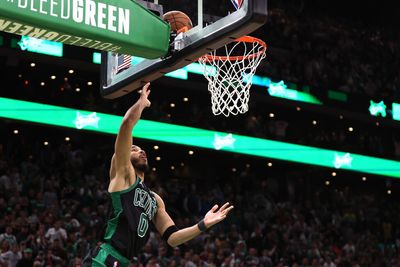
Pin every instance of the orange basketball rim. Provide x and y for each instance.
(244, 39)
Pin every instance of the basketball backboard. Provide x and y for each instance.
(215, 24)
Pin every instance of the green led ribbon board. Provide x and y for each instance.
(183, 135)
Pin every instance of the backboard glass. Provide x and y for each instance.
(216, 23)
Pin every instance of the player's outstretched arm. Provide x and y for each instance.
(175, 237)
(123, 142)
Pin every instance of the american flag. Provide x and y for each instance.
(124, 62)
(237, 3)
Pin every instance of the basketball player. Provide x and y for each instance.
(134, 206)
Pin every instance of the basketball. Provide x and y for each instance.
(178, 20)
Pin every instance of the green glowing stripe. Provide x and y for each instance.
(100, 122)
(336, 95)
(178, 74)
(306, 97)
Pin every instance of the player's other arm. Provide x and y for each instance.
(175, 237)
(123, 142)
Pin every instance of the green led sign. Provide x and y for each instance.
(41, 46)
(280, 89)
(274, 89)
(376, 109)
(96, 58)
(182, 135)
(396, 111)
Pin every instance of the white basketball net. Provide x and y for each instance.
(230, 77)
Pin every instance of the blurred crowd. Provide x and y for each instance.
(327, 52)
(53, 204)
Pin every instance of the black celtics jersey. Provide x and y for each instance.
(128, 226)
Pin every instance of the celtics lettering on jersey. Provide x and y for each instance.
(144, 200)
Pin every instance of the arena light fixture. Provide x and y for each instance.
(195, 137)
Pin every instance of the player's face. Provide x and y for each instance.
(139, 159)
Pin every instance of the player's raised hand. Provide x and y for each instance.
(216, 215)
(144, 95)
